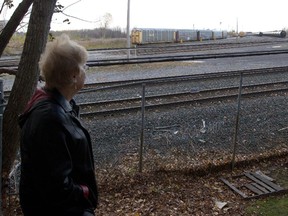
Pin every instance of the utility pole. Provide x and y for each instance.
(128, 30)
(237, 35)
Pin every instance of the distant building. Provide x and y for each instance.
(2, 24)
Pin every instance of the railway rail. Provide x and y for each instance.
(171, 80)
(165, 58)
(128, 82)
(181, 57)
(112, 107)
(190, 47)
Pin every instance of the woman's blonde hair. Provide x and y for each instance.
(61, 61)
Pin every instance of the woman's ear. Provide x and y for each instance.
(74, 79)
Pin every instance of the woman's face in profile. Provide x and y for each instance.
(81, 77)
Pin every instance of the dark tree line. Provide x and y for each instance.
(93, 33)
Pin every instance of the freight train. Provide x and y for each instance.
(140, 36)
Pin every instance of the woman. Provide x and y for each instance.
(57, 166)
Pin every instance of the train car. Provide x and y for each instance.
(141, 36)
(281, 34)
(219, 35)
(242, 34)
(186, 35)
(204, 35)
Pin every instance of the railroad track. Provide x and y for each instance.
(181, 57)
(112, 107)
(98, 87)
(90, 87)
(194, 47)
(105, 57)
(182, 48)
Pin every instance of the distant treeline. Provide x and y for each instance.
(92, 33)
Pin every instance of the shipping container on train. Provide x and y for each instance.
(205, 35)
(150, 35)
(281, 34)
(186, 35)
(220, 35)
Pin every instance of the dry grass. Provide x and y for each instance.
(16, 43)
(102, 43)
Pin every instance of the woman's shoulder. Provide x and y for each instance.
(49, 110)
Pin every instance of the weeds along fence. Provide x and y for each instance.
(188, 137)
(196, 135)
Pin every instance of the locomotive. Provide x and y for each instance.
(281, 34)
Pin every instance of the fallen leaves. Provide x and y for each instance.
(169, 192)
(173, 192)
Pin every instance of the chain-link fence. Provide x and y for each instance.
(195, 135)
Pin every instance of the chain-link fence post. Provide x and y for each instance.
(237, 121)
(142, 128)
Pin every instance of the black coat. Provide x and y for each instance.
(56, 158)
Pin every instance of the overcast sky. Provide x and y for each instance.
(251, 15)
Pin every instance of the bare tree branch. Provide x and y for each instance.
(8, 3)
(89, 21)
(8, 71)
(71, 5)
(13, 23)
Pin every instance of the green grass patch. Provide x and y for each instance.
(271, 206)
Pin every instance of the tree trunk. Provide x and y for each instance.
(13, 23)
(26, 78)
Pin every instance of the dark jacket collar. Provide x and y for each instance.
(41, 95)
(60, 99)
